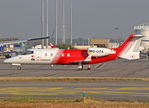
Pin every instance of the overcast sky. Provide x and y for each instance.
(91, 18)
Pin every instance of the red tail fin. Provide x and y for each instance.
(124, 45)
(129, 49)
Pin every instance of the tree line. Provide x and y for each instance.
(9, 39)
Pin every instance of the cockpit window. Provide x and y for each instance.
(28, 52)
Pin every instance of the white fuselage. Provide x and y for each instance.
(58, 56)
(39, 56)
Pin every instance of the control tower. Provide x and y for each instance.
(144, 30)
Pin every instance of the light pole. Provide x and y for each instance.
(71, 22)
(47, 40)
(42, 22)
(63, 21)
(56, 24)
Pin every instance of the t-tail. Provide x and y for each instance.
(130, 48)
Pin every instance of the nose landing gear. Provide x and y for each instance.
(19, 68)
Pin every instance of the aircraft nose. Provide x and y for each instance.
(8, 60)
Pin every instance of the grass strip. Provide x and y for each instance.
(63, 100)
(72, 79)
(30, 102)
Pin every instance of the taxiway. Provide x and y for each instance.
(110, 90)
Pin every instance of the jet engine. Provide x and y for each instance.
(99, 52)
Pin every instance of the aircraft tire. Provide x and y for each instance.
(19, 68)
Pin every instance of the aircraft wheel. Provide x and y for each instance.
(80, 67)
(89, 67)
(19, 68)
(52, 65)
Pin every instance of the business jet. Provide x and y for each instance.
(52, 56)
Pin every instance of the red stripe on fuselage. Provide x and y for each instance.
(68, 56)
(74, 56)
(103, 59)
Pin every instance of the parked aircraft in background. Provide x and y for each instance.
(21, 41)
(128, 50)
(4, 44)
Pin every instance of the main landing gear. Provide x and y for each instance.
(89, 67)
(80, 67)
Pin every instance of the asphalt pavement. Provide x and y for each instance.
(109, 90)
(118, 68)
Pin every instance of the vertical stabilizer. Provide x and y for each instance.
(130, 48)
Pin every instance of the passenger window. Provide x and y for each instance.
(68, 55)
(62, 55)
(57, 55)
